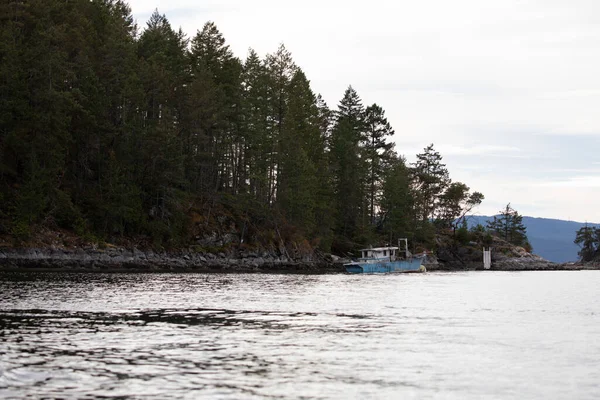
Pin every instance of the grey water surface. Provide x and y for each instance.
(472, 335)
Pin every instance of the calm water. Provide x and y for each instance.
(527, 335)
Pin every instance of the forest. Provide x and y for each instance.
(116, 132)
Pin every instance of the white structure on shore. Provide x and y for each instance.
(487, 258)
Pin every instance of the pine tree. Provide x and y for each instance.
(164, 78)
(325, 207)
(588, 239)
(509, 226)
(397, 201)
(456, 202)
(376, 148)
(102, 155)
(255, 124)
(430, 180)
(300, 137)
(281, 68)
(218, 73)
(348, 167)
(326, 119)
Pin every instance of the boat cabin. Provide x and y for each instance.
(379, 252)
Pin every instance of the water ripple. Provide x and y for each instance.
(457, 336)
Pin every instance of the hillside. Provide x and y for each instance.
(551, 239)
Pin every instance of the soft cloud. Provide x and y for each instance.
(576, 182)
(487, 150)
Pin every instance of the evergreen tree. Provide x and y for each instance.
(255, 113)
(397, 202)
(376, 148)
(455, 203)
(326, 119)
(509, 226)
(324, 210)
(209, 52)
(430, 180)
(348, 167)
(281, 68)
(160, 166)
(216, 87)
(104, 128)
(588, 239)
(298, 173)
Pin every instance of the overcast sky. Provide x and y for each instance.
(507, 90)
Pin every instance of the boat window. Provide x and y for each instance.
(384, 253)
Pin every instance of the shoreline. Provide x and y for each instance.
(120, 260)
(135, 260)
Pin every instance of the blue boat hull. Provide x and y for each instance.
(412, 265)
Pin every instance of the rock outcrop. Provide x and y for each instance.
(505, 257)
(123, 260)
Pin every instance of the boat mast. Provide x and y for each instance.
(405, 240)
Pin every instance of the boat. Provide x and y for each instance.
(386, 259)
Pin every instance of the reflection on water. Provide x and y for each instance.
(466, 335)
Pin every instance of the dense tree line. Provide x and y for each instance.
(114, 131)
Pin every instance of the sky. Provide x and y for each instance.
(507, 90)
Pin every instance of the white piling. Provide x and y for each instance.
(487, 258)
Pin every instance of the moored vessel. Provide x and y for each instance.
(386, 259)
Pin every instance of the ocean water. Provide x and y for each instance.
(472, 335)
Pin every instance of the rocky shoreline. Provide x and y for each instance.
(134, 260)
(515, 265)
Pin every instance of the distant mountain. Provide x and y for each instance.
(551, 238)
